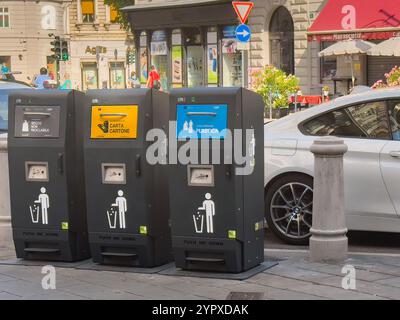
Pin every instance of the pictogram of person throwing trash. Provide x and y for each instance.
(122, 206)
(44, 202)
(209, 208)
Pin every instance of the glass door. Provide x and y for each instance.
(194, 64)
(194, 57)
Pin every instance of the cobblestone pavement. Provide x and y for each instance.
(377, 277)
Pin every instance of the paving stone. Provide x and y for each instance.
(323, 291)
(8, 296)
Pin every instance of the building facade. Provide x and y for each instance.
(192, 43)
(98, 47)
(25, 27)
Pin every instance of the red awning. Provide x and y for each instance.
(357, 19)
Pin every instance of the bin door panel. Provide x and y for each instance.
(116, 198)
(40, 200)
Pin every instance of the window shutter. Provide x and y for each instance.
(87, 6)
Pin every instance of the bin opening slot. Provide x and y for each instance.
(200, 176)
(36, 171)
(38, 115)
(113, 115)
(209, 114)
(113, 173)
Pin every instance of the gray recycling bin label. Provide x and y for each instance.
(37, 122)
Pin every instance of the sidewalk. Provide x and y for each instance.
(377, 277)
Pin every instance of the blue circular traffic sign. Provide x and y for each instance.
(243, 33)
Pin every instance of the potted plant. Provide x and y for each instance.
(275, 86)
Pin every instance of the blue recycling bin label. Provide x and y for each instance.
(201, 121)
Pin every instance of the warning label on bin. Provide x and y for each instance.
(114, 122)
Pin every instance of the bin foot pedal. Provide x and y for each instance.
(192, 259)
(41, 250)
(121, 255)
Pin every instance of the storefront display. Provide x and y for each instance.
(143, 65)
(195, 66)
(89, 76)
(159, 58)
(232, 60)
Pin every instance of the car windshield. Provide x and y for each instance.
(3, 111)
(5, 89)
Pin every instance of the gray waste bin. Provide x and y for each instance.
(47, 186)
(217, 215)
(127, 198)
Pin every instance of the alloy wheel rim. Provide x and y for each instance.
(291, 210)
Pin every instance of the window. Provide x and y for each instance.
(328, 64)
(87, 11)
(367, 120)
(117, 75)
(394, 115)
(4, 18)
(113, 14)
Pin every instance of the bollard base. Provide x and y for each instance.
(328, 249)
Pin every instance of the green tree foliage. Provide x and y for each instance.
(275, 86)
(118, 4)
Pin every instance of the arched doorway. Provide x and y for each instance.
(281, 34)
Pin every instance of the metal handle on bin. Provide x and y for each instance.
(60, 163)
(212, 114)
(228, 171)
(138, 166)
(113, 115)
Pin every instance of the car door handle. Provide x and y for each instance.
(395, 154)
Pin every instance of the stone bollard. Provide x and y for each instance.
(328, 241)
(5, 219)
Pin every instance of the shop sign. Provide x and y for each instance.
(94, 50)
(177, 64)
(229, 46)
(159, 48)
(158, 36)
(229, 32)
(212, 64)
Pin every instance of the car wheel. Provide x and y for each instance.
(289, 205)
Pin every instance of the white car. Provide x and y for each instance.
(6, 87)
(369, 123)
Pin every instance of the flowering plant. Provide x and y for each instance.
(275, 86)
(392, 79)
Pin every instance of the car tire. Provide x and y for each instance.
(288, 208)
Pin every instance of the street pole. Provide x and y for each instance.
(328, 241)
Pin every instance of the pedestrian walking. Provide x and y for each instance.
(42, 80)
(134, 80)
(154, 79)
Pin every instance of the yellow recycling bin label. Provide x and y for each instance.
(114, 122)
